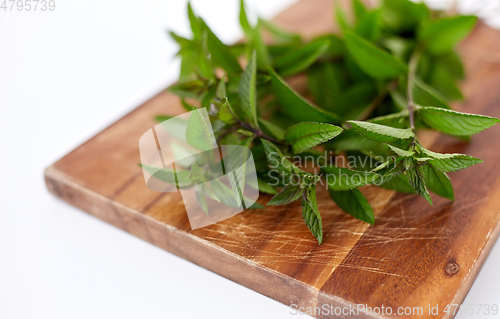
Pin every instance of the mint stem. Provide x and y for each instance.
(411, 79)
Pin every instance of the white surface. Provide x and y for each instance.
(64, 76)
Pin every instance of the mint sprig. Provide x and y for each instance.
(391, 72)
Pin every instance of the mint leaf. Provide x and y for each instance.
(299, 59)
(427, 95)
(368, 26)
(265, 187)
(247, 91)
(189, 89)
(220, 53)
(341, 18)
(399, 152)
(324, 81)
(381, 133)
(453, 122)
(375, 62)
(403, 15)
(311, 214)
(199, 132)
(225, 113)
(438, 182)
(354, 100)
(342, 179)
(398, 183)
(397, 120)
(162, 118)
(245, 25)
(199, 192)
(220, 93)
(354, 203)
(442, 80)
(416, 178)
(178, 178)
(290, 193)
(279, 35)
(196, 26)
(306, 135)
(273, 129)
(450, 162)
(442, 35)
(359, 9)
(296, 106)
(277, 161)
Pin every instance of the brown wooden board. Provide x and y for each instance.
(414, 255)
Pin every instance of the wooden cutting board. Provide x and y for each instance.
(414, 255)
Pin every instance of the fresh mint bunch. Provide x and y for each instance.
(391, 71)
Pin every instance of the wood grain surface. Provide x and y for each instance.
(414, 255)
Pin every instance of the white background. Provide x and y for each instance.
(64, 76)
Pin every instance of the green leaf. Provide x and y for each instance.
(325, 81)
(162, 118)
(196, 26)
(350, 140)
(341, 18)
(381, 133)
(296, 106)
(226, 114)
(368, 26)
(199, 132)
(300, 59)
(342, 179)
(397, 120)
(199, 191)
(221, 54)
(450, 162)
(290, 193)
(189, 89)
(195, 173)
(442, 35)
(178, 178)
(399, 183)
(355, 99)
(427, 95)
(279, 35)
(247, 91)
(416, 178)
(258, 44)
(220, 93)
(265, 187)
(375, 62)
(306, 135)
(455, 123)
(245, 25)
(354, 203)
(203, 60)
(438, 182)
(399, 152)
(277, 161)
(359, 9)
(273, 129)
(254, 39)
(256, 206)
(444, 82)
(403, 15)
(453, 64)
(311, 214)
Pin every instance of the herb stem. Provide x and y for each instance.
(411, 80)
(258, 133)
